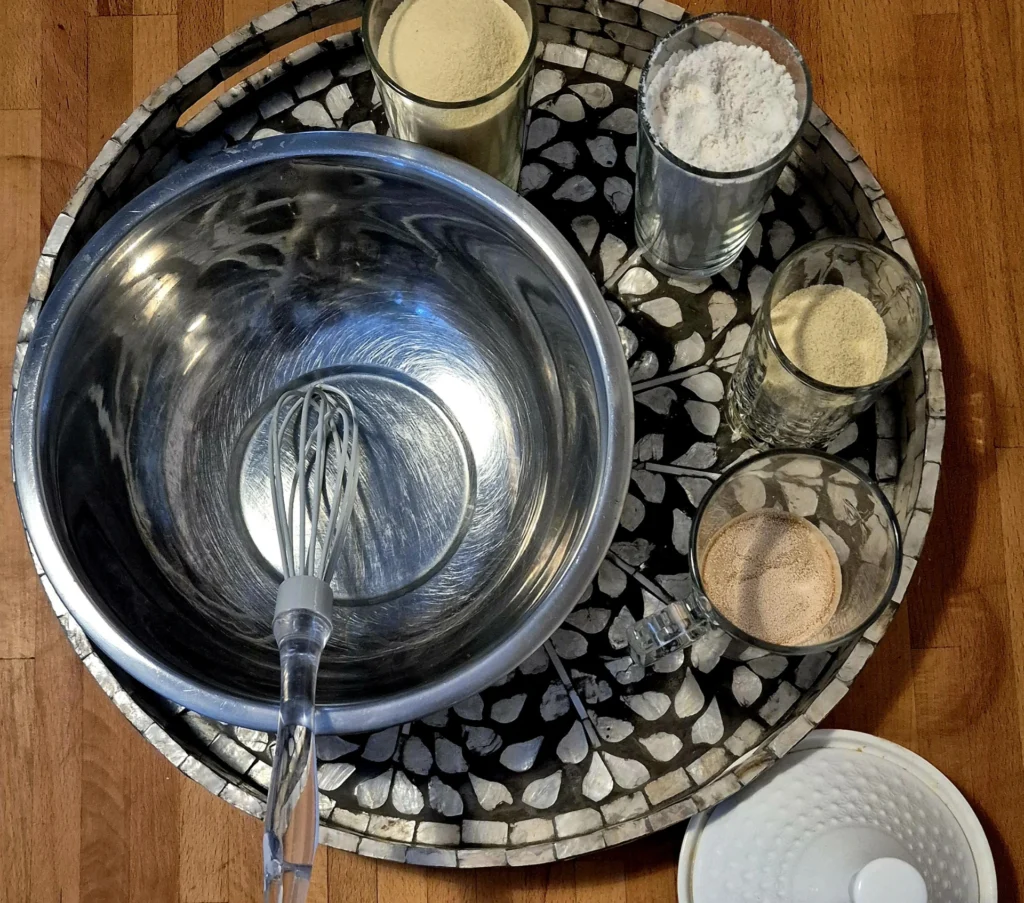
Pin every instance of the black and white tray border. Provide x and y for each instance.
(584, 44)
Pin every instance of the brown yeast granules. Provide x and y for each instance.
(774, 575)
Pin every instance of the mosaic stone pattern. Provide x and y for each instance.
(578, 749)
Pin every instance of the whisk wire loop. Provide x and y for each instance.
(310, 520)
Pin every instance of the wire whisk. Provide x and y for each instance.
(314, 434)
(305, 548)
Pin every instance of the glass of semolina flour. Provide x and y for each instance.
(455, 75)
(840, 321)
(790, 551)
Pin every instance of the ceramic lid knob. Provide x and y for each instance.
(888, 881)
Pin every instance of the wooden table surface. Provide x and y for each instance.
(930, 91)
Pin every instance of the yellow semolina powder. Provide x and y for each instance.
(452, 51)
(833, 334)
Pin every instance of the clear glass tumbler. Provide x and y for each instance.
(770, 399)
(487, 132)
(693, 222)
(849, 510)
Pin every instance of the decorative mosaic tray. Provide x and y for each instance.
(578, 749)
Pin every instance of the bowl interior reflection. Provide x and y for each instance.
(473, 382)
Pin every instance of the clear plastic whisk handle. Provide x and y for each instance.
(292, 823)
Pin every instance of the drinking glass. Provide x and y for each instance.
(487, 132)
(770, 399)
(694, 222)
(843, 504)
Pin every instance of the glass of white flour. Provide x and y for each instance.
(455, 75)
(721, 103)
(840, 321)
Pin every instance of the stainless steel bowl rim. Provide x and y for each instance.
(610, 373)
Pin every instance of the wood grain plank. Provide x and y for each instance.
(893, 80)
(1010, 470)
(106, 739)
(518, 885)
(994, 126)
(601, 878)
(448, 886)
(156, 7)
(397, 881)
(110, 77)
(21, 28)
(20, 145)
(949, 707)
(989, 717)
(57, 764)
(888, 675)
(1010, 463)
(154, 53)
(970, 558)
(204, 839)
(561, 883)
(238, 12)
(800, 22)
(935, 7)
(200, 25)
(651, 868)
(941, 687)
(16, 745)
(112, 8)
(351, 878)
(245, 865)
(154, 807)
(64, 131)
(319, 884)
(761, 9)
(841, 82)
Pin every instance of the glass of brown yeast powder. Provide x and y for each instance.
(841, 319)
(790, 551)
(455, 75)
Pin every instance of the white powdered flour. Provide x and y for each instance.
(723, 107)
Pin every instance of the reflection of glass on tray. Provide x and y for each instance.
(454, 75)
(777, 397)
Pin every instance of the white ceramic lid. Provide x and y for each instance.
(844, 818)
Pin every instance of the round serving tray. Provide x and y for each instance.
(577, 749)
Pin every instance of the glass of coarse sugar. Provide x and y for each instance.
(487, 131)
(835, 520)
(784, 390)
(693, 216)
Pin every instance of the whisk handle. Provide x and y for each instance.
(292, 824)
(303, 593)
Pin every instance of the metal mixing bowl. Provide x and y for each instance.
(489, 380)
